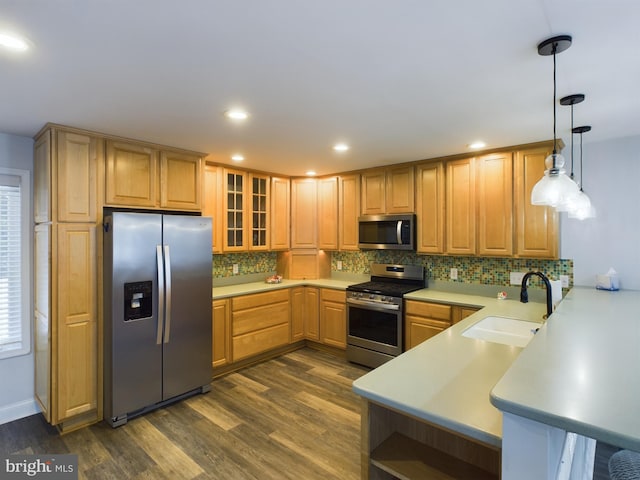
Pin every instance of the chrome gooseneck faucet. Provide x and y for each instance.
(524, 296)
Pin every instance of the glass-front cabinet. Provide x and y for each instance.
(235, 231)
(259, 236)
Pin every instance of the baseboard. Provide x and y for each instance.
(15, 411)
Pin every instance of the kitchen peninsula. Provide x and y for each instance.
(576, 375)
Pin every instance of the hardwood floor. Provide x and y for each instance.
(293, 417)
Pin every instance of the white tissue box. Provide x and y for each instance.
(607, 282)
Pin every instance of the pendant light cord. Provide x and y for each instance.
(581, 163)
(571, 176)
(554, 105)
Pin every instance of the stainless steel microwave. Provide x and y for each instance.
(392, 232)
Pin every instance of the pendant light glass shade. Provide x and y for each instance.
(555, 188)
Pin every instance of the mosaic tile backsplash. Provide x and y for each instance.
(482, 270)
(479, 270)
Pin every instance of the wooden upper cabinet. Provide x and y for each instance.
(138, 175)
(400, 190)
(388, 191)
(304, 215)
(131, 175)
(348, 211)
(259, 212)
(328, 213)
(77, 182)
(430, 207)
(461, 207)
(42, 178)
(212, 203)
(373, 192)
(495, 204)
(180, 181)
(280, 213)
(536, 226)
(234, 208)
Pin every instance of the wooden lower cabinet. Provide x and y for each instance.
(459, 313)
(259, 322)
(424, 320)
(221, 341)
(333, 318)
(312, 313)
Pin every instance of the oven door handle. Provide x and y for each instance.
(381, 307)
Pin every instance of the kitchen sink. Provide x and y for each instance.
(504, 330)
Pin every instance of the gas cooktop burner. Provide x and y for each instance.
(384, 288)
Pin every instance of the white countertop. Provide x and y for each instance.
(580, 372)
(258, 287)
(447, 379)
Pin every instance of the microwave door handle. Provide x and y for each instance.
(399, 232)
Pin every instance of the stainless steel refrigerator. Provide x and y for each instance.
(157, 311)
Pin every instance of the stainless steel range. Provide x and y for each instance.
(375, 313)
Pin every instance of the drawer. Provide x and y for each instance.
(331, 295)
(429, 310)
(259, 299)
(257, 342)
(252, 319)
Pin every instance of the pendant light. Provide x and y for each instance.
(581, 207)
(568, 202)
(555, 186)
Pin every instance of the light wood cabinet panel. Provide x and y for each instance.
(333, 318)
(42, 178)
(495, 204)
(348, 212)
(221, 341)
(235, 200)
(76, 371)
(373, 192)
(212, 204)
(259, 323)
(180, 181)
(312, 313)
(460, 313)
(280, 213)
(461, 207)
(297, 314)
(400, 190)
(423, 320)
(131, 175)
(430, 200)
(259, 214)
(303, 264)
(328, 213)
(42, 309)
(77, 177)
(536, 226)
(304, 214)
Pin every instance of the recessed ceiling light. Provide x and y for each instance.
(341, 147)
(237, 157)
(236, 114)
(310, 173)
(12, 42)
(477, 145)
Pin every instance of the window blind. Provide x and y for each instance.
(12, 324)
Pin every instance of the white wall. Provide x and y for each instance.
(16, 373)
(612, 239)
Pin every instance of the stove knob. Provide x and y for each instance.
(372, 296)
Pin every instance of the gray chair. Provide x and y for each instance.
(624, 465)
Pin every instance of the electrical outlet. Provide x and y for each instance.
(235, 268)
(515, 278)
(339, 264)
(453, 274)
(564, 280)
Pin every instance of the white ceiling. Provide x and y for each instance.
(399, 80)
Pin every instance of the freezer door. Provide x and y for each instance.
(187, 337)
(133, 357)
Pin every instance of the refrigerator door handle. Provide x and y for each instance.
(160, 262)
(167, 270)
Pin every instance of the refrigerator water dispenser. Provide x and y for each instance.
(138, 300)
